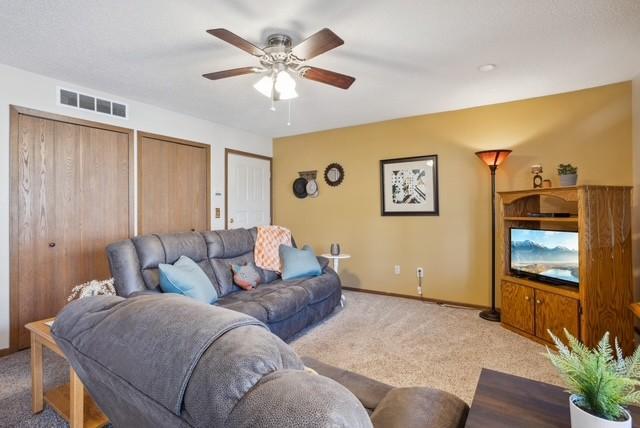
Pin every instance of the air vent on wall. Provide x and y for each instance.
(75, 99)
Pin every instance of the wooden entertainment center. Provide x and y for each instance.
(602, 217)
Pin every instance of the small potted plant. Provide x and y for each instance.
(568, 174)
(601, 384)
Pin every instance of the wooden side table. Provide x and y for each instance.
(70, 401)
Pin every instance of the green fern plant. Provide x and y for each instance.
(603, 383)
(567, 169)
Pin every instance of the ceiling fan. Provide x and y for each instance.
(278, 59)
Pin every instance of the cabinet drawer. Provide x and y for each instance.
(555, 313)
(517, 306)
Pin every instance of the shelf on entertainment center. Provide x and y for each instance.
(545, 219)
(563, 290)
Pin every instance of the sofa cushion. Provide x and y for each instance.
(319, 288)
(228, 243)
(224, 274)
(278, 301)
(186, 278)
(155, 249)
(417, 407)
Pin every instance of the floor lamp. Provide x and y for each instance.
(493, 158)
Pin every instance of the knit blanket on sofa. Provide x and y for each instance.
(268, 241)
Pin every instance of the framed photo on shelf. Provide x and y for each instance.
(409, 186)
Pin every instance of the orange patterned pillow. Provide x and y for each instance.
(268, 242)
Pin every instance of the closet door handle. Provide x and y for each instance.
(538, 301)
(52, 244)
(526, 297)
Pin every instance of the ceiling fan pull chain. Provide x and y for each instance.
(289, 120)
(273, 105)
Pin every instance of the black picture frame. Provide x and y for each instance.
(434, 190)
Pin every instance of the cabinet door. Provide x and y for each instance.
(555, 313)
(517, 306)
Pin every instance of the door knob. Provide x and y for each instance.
(538, 301)
(526, 297)
(52, 244)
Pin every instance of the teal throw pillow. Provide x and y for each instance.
(298, 263)
(185, 277)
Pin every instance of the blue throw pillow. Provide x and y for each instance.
(186, 278)
(298, 263)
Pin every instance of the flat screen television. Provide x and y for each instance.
(545, 255)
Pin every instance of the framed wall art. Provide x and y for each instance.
(409, 186)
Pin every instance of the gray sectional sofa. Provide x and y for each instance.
(195, 365)
(286, 307)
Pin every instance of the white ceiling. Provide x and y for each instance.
(408, 57)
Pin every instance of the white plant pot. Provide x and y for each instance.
(582, 419)
(568, 180)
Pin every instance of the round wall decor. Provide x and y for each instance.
(300, 187)
(334, 174)
(312, 188)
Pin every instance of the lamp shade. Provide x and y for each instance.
(493, 158)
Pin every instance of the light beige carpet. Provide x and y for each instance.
(405, 342)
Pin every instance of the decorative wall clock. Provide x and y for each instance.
(334, 174)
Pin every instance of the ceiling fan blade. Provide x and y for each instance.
(236, 41)
(325, 76)
(233, 72)
(316, 44)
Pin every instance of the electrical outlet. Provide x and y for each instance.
(396, 269)
(420, 272)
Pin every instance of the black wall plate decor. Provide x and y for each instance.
(300, 187)
(334, 174)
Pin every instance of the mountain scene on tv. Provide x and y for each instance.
(547, 253)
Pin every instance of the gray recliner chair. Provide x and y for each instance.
(167, 361)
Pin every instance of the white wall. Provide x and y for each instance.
(34, 91)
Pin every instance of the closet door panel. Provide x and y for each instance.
(36, 217)
(173, 185)
(71, 197)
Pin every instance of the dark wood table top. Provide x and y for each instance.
(503, 400)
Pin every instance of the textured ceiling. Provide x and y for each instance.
(409, 57)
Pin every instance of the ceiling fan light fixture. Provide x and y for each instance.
(285, 84)
(264, 86)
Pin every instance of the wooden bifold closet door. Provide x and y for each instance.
(173, 185)
(71, 196)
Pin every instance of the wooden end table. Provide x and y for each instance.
(506, 401)
(70, 401)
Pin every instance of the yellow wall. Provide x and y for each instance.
(589, 128)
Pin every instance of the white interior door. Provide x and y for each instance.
(248, 191)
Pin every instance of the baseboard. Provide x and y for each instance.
(6, 351)
(424, 299)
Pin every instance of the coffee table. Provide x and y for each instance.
(70, 401)
(503, 400)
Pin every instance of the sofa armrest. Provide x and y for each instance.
(324, 262)
(420, 407)
(370, 392)
(125, 268)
